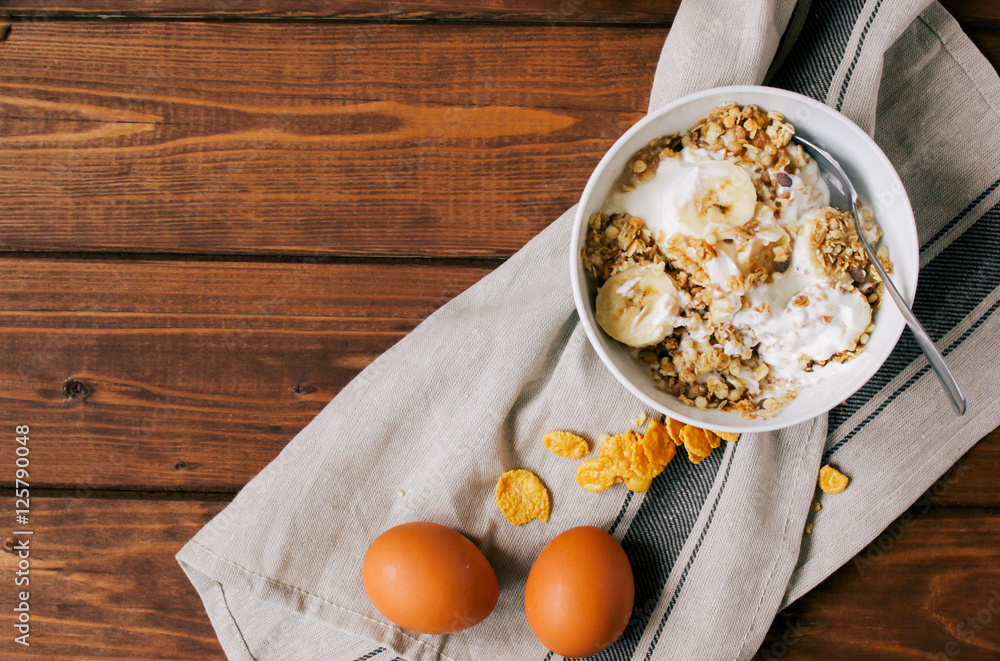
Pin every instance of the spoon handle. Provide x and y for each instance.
(923, 339)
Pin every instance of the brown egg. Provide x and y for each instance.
(579, 593)
(428, 578)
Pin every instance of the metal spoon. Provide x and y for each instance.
(841, 184)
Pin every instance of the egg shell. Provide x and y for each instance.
(428, 578)
(580, 591)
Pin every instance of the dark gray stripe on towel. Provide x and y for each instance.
(821, 46)
(655, 537)
(857, 56)
(952, 285)
(694, 554)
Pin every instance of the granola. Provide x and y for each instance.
(717, 259)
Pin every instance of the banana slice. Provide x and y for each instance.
(713, 198)
(639, 306)
(763, 249)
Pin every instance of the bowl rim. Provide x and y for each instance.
(582, 306)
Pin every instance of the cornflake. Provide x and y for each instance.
(658, 445)
(674, 427)
(627, 458)
(832, 480)
(593, 475)
(566, 444)
(521, 497)
(696, 443)
(637, 461)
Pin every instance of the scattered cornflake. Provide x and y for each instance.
(658, 446)
(832, 480)
(616, 451)
(809, 528)
(640, 420)
(674, 428)
(696, 443)
(593, 475)
(638, 484)
(567, 444)
(699, 443)
(521, 497)
(627, 458)
(815, 506)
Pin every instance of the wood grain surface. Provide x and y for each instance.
(104, 583)
(972, 13)
(308, 138)
(927, 588)
(192, 375)
(210, 226)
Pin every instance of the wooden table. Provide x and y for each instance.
(216, 213)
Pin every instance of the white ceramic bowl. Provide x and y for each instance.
(879, 188)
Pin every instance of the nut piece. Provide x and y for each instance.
(521, 497)
(832, 480)
(566, 444)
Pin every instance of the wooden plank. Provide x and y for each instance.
(345, 139)
(311, 138)
(989, 44)
(977, 13)
(191, 375)
(972, 481)
(104, 584)
(651, 11)
(927, 588)
(185, 72)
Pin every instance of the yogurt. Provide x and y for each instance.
(797, 318)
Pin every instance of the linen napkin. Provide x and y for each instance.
(716, 549)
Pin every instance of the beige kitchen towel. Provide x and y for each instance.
(717, 549)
